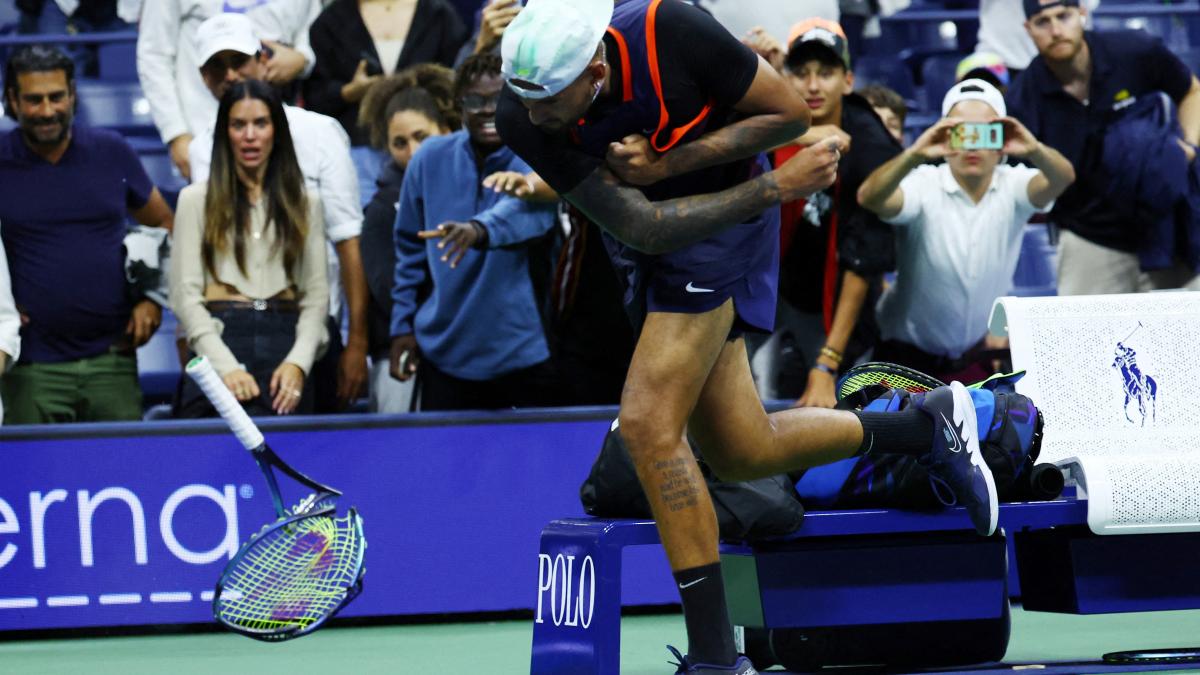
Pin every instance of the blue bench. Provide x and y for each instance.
(828, 574)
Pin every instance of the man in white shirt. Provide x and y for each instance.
(230, 51)
(959, 227)
(168, 66)
(739, 16)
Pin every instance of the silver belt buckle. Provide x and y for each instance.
(260, 305)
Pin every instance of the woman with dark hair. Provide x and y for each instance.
(248, 273)
(398, 113)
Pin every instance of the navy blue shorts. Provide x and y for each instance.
(740, 263)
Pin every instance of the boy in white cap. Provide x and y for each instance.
(649, 119)
(959, 227)
(228, 50)
(167, 59)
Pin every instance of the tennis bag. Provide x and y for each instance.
(746, 511)
(1010, 430)
(1010, 446)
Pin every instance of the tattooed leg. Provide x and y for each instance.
(668, 371)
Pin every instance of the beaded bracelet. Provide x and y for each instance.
(832, 354)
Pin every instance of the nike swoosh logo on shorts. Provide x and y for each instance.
(692, 288)
(691, 583)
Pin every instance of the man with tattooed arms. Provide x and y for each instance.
(650, 119)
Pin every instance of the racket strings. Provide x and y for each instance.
(888, 375)
(293, 576)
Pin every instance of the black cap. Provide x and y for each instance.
(1033, 7)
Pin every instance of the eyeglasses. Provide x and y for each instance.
(473, 103)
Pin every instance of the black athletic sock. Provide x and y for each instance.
(710, 635)
(907, 432)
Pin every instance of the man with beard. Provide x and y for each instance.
(64, 195)
(658, 142)
(1069, 97)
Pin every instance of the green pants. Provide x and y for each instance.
(97, 389)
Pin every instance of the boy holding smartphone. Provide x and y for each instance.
(959, 226)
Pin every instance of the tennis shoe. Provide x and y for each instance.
(955, 462)
(685, 665)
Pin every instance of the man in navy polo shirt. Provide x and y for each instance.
(1067, 99)
(64, 195)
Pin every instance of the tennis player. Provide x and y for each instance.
(650, 119)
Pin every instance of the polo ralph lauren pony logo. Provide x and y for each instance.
(1139, 387)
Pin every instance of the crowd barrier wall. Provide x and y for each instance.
(131, 524)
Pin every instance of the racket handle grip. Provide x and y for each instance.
(202, 372)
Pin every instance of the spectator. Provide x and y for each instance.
(230, 52)
(10, 324)
(65, 256)
(71, 17)
(1068, 98)
(169, 69)
(248, 270)
(478, 339)
(833, 251)
(1000, 23)
(985, 66)
(960, 226)
(400, 112)
(889, 106)
(740, 17)
(591, 336)
(358, 41)
(491, 20)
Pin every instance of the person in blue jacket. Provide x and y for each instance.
(476, 341)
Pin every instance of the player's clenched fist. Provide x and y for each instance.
(635, 161)
(811, 170)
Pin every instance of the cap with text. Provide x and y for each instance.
(551, 43)
(820, 34)
(228, 31)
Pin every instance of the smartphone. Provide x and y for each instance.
(977, 136)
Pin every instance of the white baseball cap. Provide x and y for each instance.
(228, 31)
(551, 43)
(974, 90)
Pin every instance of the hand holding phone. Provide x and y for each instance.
(977, 136)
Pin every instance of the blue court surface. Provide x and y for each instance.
(1041, 643)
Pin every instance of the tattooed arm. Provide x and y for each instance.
(659, 227)
(776, 116)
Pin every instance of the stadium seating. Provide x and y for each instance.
(937, 76)
(116, 105)
(118, 61)
(1036, 273)
(8, 17)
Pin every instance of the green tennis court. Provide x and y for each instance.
(502, 648)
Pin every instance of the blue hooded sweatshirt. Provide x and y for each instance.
(481, 320)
